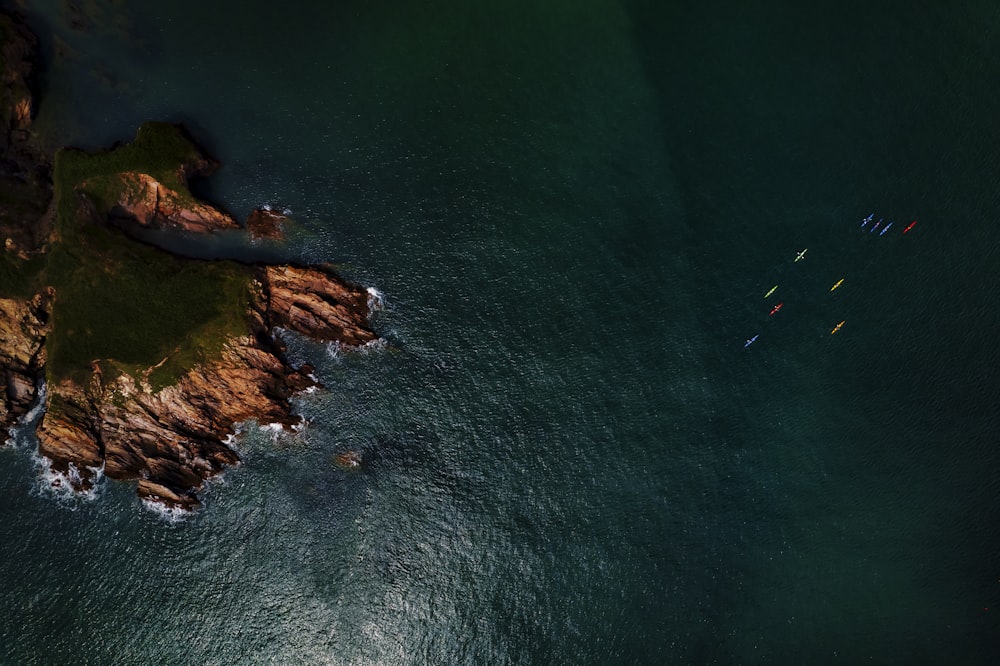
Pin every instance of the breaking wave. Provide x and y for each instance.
(62, 485)
(170, 514)
(376, 301)
(18, 432)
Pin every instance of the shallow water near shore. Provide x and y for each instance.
(573, 213)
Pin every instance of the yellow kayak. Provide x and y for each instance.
(839, 282)
(837, 327)
(771, 291)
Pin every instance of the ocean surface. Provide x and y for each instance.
(573, 210)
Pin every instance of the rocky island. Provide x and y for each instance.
(143, 361)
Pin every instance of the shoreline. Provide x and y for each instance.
(149, 359)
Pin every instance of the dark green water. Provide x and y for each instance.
(573, 211)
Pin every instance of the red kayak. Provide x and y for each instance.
(909, 227)
(776, 308)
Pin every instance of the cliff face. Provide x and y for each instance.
(23, 327)
(173, 439)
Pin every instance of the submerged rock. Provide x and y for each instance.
(266, 224)
(348, 460)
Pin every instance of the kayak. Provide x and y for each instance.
(801, 254)
(909, 227)
(775, 309)
(751, 341)
(839, 282)
(837, 327)
(770, 291)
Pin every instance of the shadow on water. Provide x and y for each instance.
(234, 245)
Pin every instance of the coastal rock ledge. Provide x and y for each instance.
(172, 439)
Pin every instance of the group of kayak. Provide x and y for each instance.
(801, 255)
(866, 221)
(777, 308)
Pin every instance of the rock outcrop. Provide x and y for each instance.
(266, 224)
(23, 327)
(173, 439)
(308, 300)
(149, 203)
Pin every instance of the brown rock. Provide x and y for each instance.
(67, 443)
(265, 224)
(145, 201)
(22, 113)
(319, 305)
(23, 327)
(175, 438)
(349, 461)
(159, 493)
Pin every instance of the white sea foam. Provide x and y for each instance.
(171, 514)
(336, 351)
(274, 430)
(62, 484)
(377, 344)
(30, 418)
(376, 301)
(39, 406)
(287, 212)
(234, 440)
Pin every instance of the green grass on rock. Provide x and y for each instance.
(122, 300)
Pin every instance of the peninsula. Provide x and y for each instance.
(143, 361)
